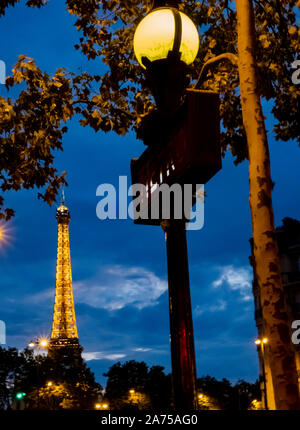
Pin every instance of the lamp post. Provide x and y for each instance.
(38, 344)
(260, 344)
(165, 42)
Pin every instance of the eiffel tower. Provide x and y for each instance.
(64, 335)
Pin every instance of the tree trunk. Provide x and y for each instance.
(275, 319)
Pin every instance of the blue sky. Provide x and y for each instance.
(119, 269)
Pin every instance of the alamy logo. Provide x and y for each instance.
(2, 333)
(296, 333)
(296, 74)
(152, 202)
(2, 72)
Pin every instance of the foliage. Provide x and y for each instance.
(152, 388)
(223, 395)
(15, 366)
(72, 384)
(32, 126)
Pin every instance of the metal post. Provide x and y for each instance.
(181, 323)
(264, 375)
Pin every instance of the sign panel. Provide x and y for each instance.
(191, 156)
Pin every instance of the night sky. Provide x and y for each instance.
(119, 269)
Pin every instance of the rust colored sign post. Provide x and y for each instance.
(181, 322)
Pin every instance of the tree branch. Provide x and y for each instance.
(232, 58)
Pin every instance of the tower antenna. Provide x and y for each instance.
(63, 195)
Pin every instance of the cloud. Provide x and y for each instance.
(220, 305)
(118, 286)
(238, 279)
(113, 288)
(142, 349)
(98, 355)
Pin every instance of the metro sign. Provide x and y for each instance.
(191, 154)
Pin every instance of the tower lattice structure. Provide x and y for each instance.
(64, 329)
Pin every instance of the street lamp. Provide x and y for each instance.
(44, 343)
(5, 234)
(165, 42)
(260, 344)
(39, 344)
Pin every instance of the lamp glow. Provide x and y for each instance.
(154, 37)
(44, 343)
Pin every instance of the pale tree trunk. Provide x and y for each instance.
(275, 320)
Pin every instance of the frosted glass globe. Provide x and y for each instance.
(154, 37)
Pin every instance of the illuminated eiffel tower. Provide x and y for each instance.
(64, 334)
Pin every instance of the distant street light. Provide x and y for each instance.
(39, 344)
(5, 234)
(44, 343)
(102, 406)
(260, 343)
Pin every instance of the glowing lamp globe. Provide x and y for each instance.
(165, 30)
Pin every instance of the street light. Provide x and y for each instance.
(260, 343)
(39, 344)
(164, 31)
(165, 42)
(44, 342)
(102, 406)
(5, 234)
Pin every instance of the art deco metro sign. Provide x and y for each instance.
(188, 154)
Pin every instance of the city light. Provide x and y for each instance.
(20, 395)
(259, 341)
(101, 406)
(43, 343)
(5, 234)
